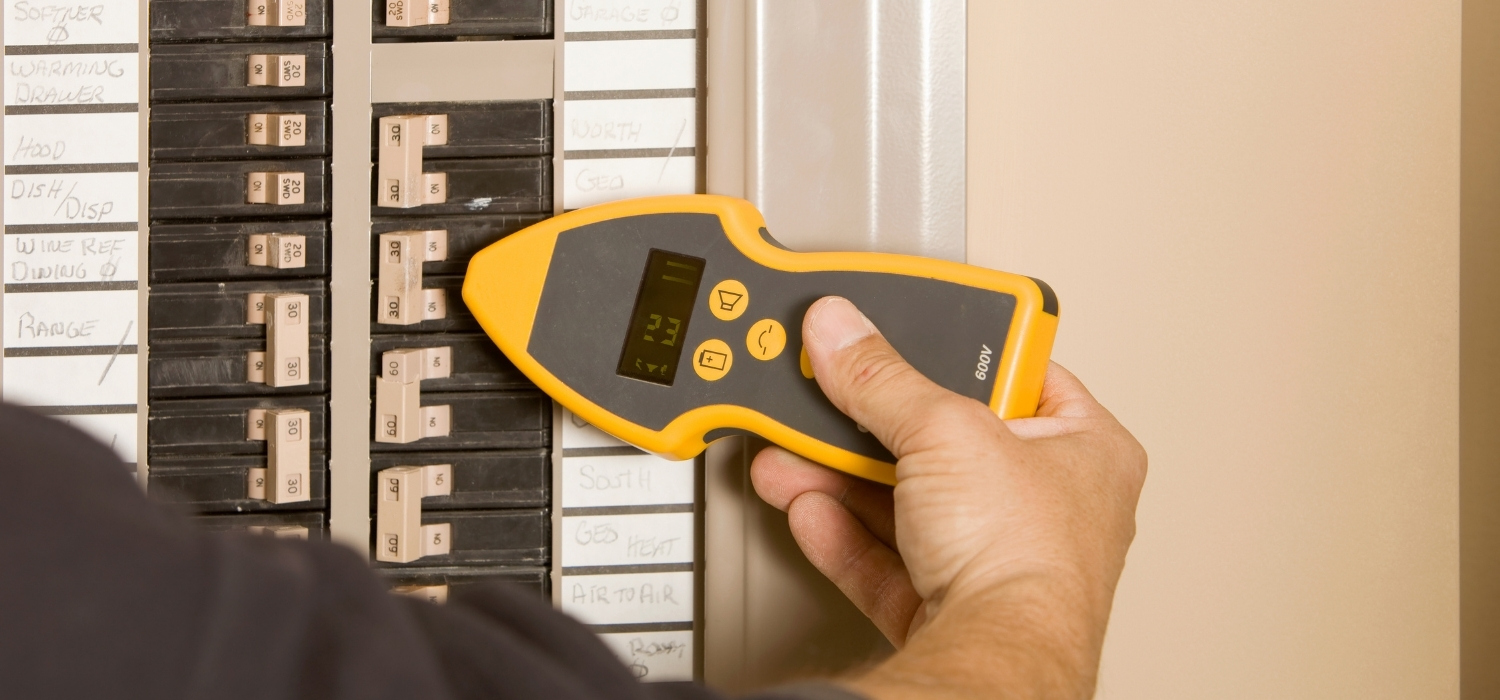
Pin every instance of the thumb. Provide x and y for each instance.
(869, 381)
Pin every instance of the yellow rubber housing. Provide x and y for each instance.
(504, 287)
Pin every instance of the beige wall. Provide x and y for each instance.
(1250, 212)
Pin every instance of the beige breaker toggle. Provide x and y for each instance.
(276, 13)
(276, 189)
(276, 70)
(416, 13)
(402, 184)
(402, 300)
(267, 129)
(400, 416)
(287, 475)
(400, 535)
(279, 250)
(288, 340)
(436, 593)
(283, 532)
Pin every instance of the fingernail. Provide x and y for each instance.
(835, 324)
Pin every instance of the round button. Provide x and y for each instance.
(728, 299)
(765, 339)
(712, 359)
(806, 363)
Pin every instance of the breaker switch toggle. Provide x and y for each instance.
(288, 340)
(287, 475)
(402, 300)
(400, 416)
(400, 535)
(401, 183)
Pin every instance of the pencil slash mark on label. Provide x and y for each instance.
(668, 160)
(64, 201)
(115, 354)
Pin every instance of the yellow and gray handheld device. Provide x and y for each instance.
(670, 322)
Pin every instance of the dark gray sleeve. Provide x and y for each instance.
(104, 594)
(808, 691)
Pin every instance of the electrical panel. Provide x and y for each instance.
(235, 247)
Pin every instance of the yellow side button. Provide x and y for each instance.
(806, 363)
(766, 339)
(712, 359)
(728, 299)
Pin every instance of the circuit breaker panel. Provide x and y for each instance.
(235, 239)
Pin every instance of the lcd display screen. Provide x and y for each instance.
(659, 321)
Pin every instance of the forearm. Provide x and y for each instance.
(1030, 638)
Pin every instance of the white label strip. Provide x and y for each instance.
(626, 480)
(621, 124)
(580, 433)
(624, 540)
(71, 198)
(72, 79)
(104, 70)
(633, 126)
(71, 139)
(654, 656)
(69, 319)
(598, 180)
(71, 380)
(615, 599)
(631, 15)
(40, 22)
(42, 258)
(117, 430)
(661, 64)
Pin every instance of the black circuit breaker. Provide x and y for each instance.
(237, 20)
(437, 20)
(460, 468)
(475, 363)
(240, 71)
(237, 321)
(214, 454)
(466, 235)
(241, 189)
(238, 250)
(306, 525)
(479, 129)
(479, 186)
(239, 130)
(432, 583)
(218, 483)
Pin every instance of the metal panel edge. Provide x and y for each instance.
(349, 283)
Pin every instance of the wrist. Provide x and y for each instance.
(1033, 635)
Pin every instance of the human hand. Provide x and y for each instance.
(1002, 540)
